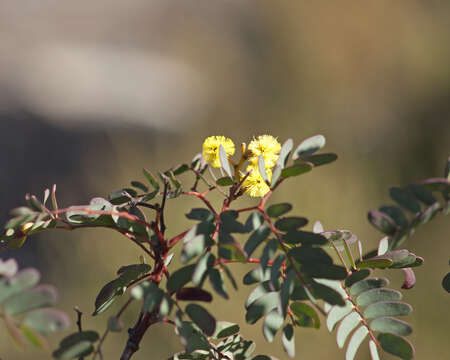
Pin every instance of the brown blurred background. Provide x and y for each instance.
(91, 92)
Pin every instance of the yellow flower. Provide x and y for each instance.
(254, 185)
(268, 147)
(211, 149)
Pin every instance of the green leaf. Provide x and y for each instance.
(404, 199)
(256, 275)
(225, 181)
(325, 271)
(277, 210)
(268, 252)
(76, 345)
(34, 338)
(191, 337)
(224, 161)
(367, 284)
(296, 169)
(262, 169)
(180, 169)
(194, 247)
(109, 292)
(262, 289)
(337, 313)
(217, 282)
(326, 293)
(288, 340)
(423, 194)
(391, 325)
(305, 238)
(254, 221)
(383, 246)
(229, 223)
(397, 214)
(139, 185)
(180, 277)
(373, 350)
(380, 294)
(256, 238)
(382, 222)
(46, 321)
(303, 311)
(200, 214)
(202, 318)
(387, 308)
(446, 282)
(319, 159)
(272, 324)
(286, 149)
(430, 212)
(338, 237)
(204, 264)
(275, 269)
(40, 296)
(309, 146)
(401, 258)
(152, 298)
(262, 306)
(306, 254)
(380, 262)
(356, 340)
(23, 280)
(78, 350)
(357, 276)
(225, 329)
(350, 322)
(151, 179)
(290, 223)
(396, 345)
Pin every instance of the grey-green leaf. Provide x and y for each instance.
(296, 169)
(288, 340)
(262, 306)
(367, 284)
(40, 296)
(180, 277)
(357, 276)
(272, 324)
(337, 313)
(277, 210)
(46, 320)
(202, 318)
(224, 161)
(356, 340)
(347, 325)
(387, 308)
(256, 238)
(391, 325)
(374, 295)
(396, 345)
(404, 199)
(290, 223)
(309, 146)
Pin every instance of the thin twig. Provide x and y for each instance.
(98, 351)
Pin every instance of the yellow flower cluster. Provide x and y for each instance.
(265, 145)
(211, 149)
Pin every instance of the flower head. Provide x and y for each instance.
(254, 185)
(211, 149)
(268, 147)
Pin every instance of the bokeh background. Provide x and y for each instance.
(92, 91)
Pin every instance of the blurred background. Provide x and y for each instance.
(91, 92)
